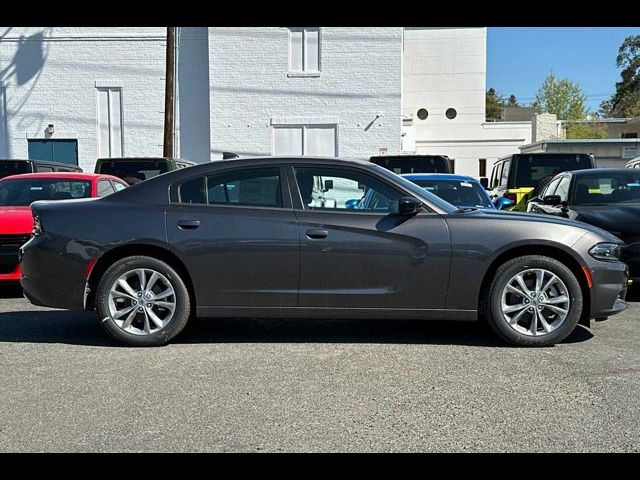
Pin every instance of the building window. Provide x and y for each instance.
(309, 140)
(110, 138)
(423, 114)
(451, 113)
(452, 164)
(304, 49)
(630, 135)
(482, 167)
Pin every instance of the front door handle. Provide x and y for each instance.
(188, 224)
(317, 233)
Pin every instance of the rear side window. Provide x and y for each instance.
(257, 187)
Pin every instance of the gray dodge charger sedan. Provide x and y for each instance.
(290, 237)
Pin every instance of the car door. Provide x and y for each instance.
(370, 256)
(237, 234)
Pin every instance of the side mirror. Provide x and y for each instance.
(484, 181)
(553, 200)
(351, 204)
(409, 205)
(503, 203)
(328, 185)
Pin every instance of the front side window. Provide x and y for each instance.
(505, 173)
(563, 188)
(255, 188)
(327, 188)
(551, 188)
(304, 49)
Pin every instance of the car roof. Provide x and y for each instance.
(541, 154)
(594, 172)
(439, 176)
(62, 175)
(133, 159)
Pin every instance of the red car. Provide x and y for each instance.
(17, 192)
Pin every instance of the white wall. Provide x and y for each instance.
(361, 76)
(446, 68)
(49, 76)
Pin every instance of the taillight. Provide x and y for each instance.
(511, 196)
(37, 225)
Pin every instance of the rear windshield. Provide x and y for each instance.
(532, 170)
(134, 171)
(457, 192)
(23, 192)
(8, 167)
(413, 164)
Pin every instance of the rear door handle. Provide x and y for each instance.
(317, 233)
(188, 224)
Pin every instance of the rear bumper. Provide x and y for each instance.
(50, 279)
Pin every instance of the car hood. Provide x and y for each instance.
(618, 219)
(15, 220)
(505, 215)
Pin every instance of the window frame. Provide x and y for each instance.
(174, 189)
(304, 72)
(298, 204)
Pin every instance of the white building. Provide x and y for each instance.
(349, 92)
(444, 97)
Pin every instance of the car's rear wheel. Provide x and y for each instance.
(142, 301)
(534, 301)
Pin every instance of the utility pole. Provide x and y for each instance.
(169, 93)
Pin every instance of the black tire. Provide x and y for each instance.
(163, 335)
(499, 324)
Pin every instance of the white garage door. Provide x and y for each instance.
(308, 140)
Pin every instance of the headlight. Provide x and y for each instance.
(37, 225)
(606, 251)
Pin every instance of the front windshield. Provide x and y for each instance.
(460, 193)
(419, 192)
(607, 189)
(134, 171)
(23, 192)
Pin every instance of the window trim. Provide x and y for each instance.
(174, 189)
(304, 73)
(104, 86)
(303, 127)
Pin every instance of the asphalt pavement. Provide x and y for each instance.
(250, 385)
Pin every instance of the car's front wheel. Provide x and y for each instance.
(534, 300)
(142, 301)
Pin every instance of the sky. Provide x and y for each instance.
(519, 59)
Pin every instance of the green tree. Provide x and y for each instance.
(590, 130)
(494, 105)
(625, 102)
(513, 101)
(562, 97)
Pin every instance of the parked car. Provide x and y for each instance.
(134, 170)
(15, 167)
(459, 190)
(248, 237)
(608, 198)
(400, 164)
(17, 192)
(517, 176)
(635, 163)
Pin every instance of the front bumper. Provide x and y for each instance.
(610, 282)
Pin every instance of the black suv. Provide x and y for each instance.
(16, 167)
(136, 169)
(414, 163)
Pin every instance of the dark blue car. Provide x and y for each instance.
(459, 190)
